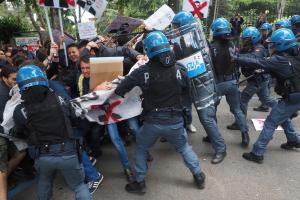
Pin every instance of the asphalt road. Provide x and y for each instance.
(278, 178)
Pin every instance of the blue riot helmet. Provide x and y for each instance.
(295, 22)
(283, 24)
(252, 35)
(283, 39)
(182, 18)
(266, 26)
(156, 43)
(220, 27)
(31, 75)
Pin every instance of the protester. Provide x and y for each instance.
(236, 27)
(261, 20)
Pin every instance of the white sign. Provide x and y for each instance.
(87, 30)
(194, 64)
(202, 7)
(161, 19)
(31, 42)
(259, 124)
(95, 7)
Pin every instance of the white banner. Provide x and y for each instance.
(95, 7)
(87, 30)
(161, 19)
(105, 107)
(201, 5)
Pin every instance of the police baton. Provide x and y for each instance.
(246, 79)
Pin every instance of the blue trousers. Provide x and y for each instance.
(279, 115)
(230, 90)
(263, 92)
(69, 167)
(169, 126)
(208, 120)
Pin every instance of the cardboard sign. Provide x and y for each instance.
(161, 19)
(31, 42)
(196, 7)
(123, 24)
(95, 7)
(194, 64)
(87, 30)
(259, 124)
(105, 69)
(58, 3)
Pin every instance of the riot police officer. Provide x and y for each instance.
(284, 64)
(295, 22)
(163, 83)
(45, 118)
(257, 80)
(226, 74)
(266, 32)
(284, 23)
(203, 92)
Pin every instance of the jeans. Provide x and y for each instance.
(134, 125)
(263, 93)
(118, 143)
(189, 116)
(279, 115)
(91, 173)
(70, 168)
(231, 91)
(167, 125)
(207, 118)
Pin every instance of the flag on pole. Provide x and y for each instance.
(58, 3)
(95, 7)
(199, 8)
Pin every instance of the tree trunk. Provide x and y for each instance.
(54, 18)
(175, 5)
(280, 8)
(30, 14)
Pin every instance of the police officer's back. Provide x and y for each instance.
(163, 84)
(45, 117)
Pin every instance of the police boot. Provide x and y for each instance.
(136, 187)
(218, 158)
(199, 180)
(206, 139)
(262, 108)
(254, 158)
(245, 139)
(233, 126)
(290, 145)
(129, 175)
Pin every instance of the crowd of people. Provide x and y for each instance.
(59, 140)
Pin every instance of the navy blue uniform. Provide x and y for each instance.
(286, 70)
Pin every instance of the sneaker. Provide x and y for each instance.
(149, 157)
(199, 180)
(254, 158)
(129, 175)
(261, 108)
(93, 185)
(233, 126)
(290, 145)
(136, 187)
(191, 128)
(93, 160)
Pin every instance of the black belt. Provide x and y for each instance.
(59, 147)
